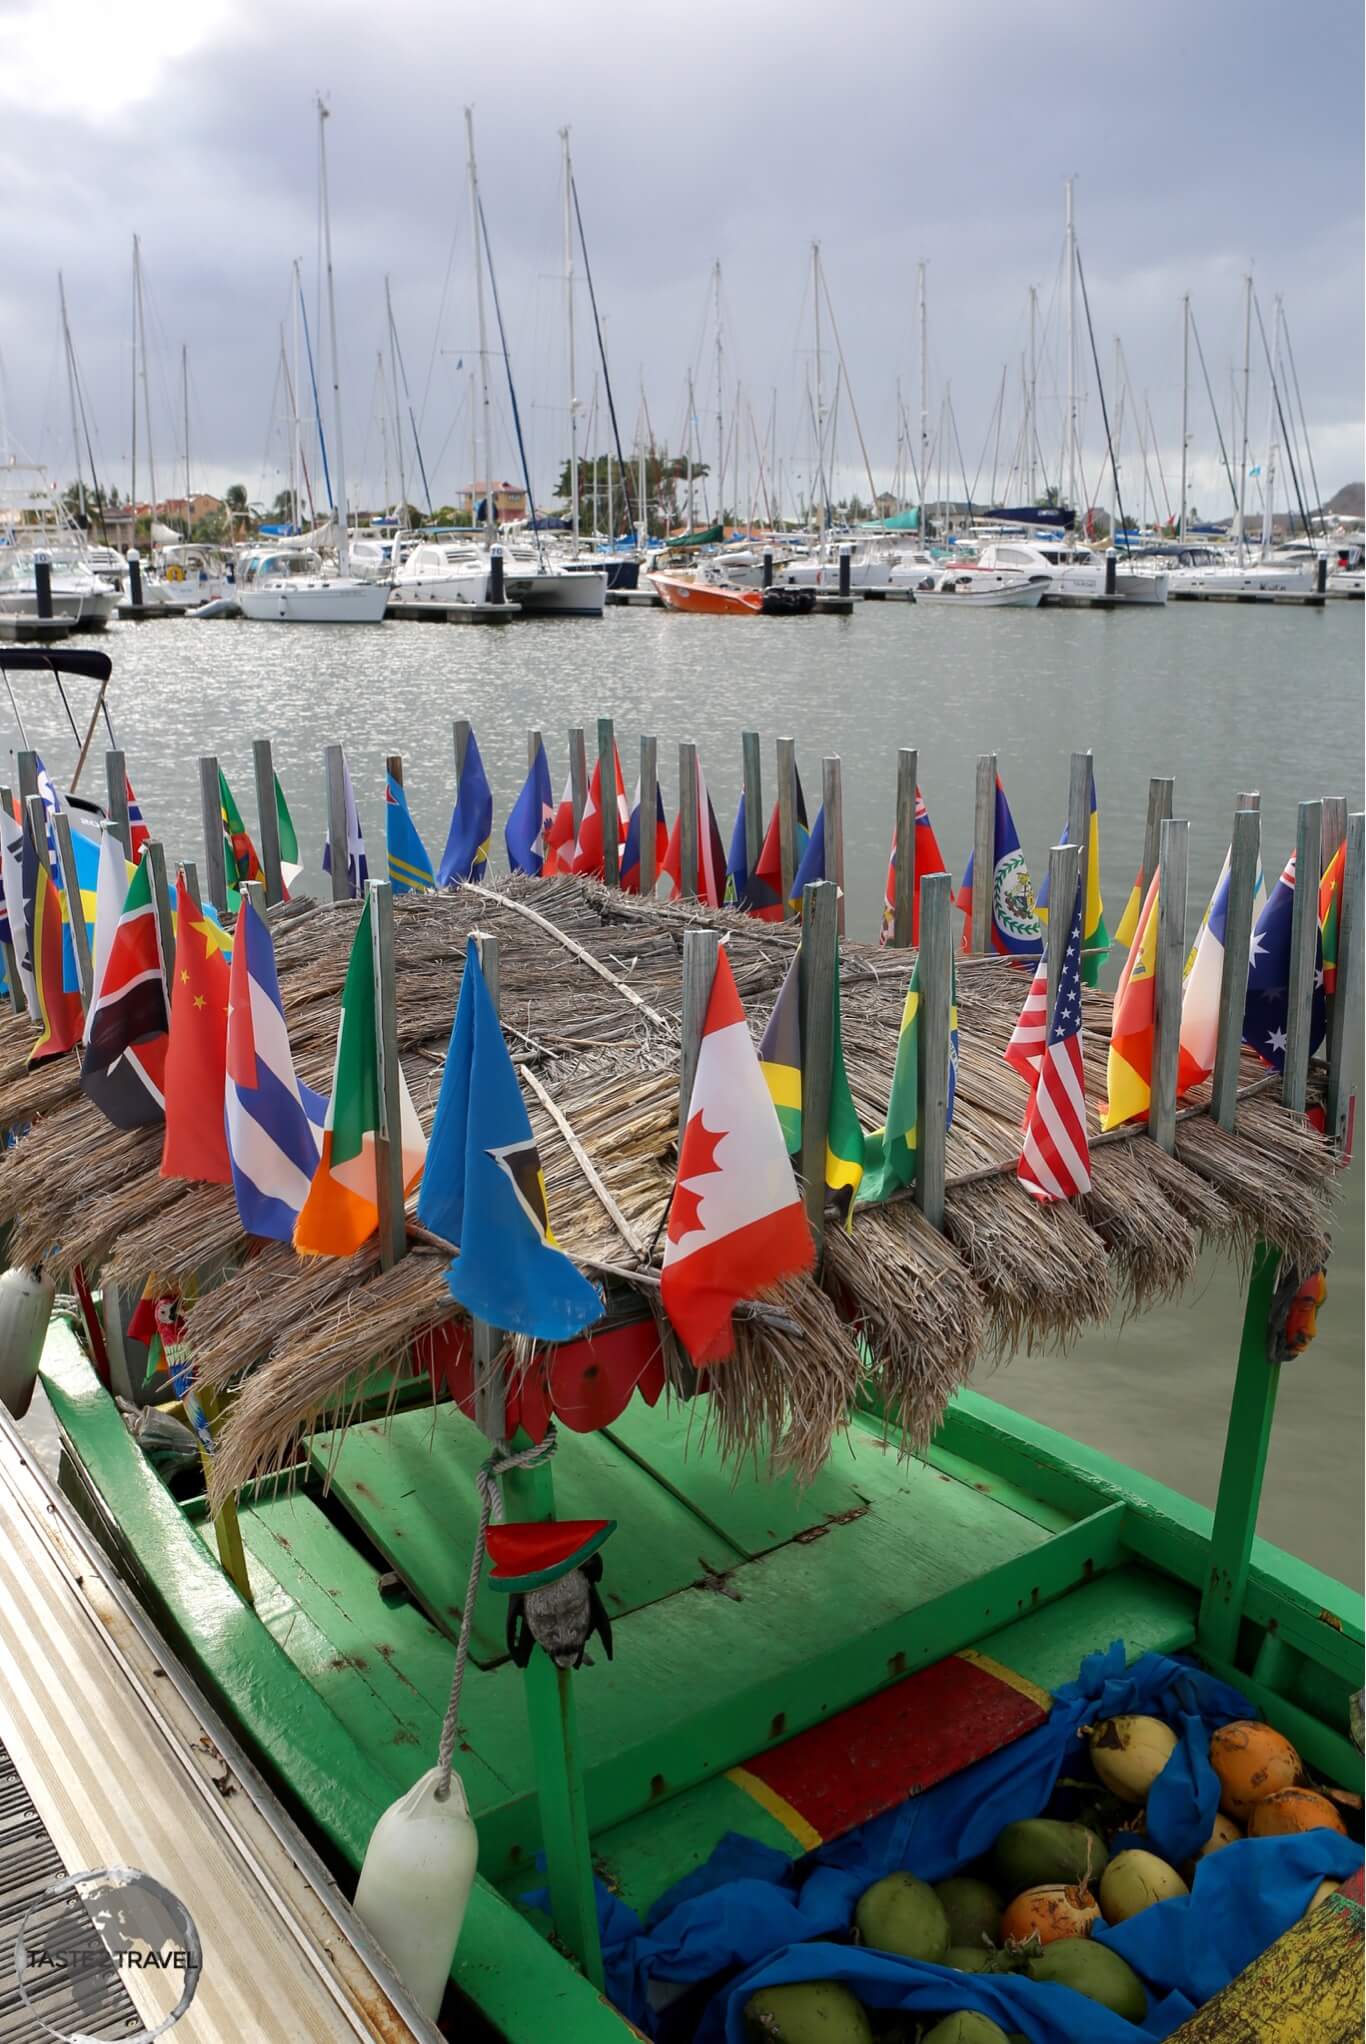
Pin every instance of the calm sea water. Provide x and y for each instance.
(1222, 698)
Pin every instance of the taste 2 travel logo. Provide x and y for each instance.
(103, 1932)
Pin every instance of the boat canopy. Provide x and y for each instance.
(710, 535)
(1033, 514)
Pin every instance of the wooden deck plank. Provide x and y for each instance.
(409, 1483)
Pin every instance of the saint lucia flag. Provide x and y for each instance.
(484, 1189)
(1095, 937)
(532, 814)
(1015, 930)
(409, 865)
(466, 856)
(274, 1122)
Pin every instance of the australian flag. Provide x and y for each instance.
(1266, 1015)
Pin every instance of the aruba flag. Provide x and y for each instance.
(409, 865)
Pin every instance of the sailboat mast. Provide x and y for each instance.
(146, 392)
(398, 416)
(820, 393)
(641, 482)
(1185, 405)
(133, 456)
(343, 518)
(1247, 383)
(720, 406)
(1031, 428)
(185, 407)
(692, 422)
(569, 324)
(71, 394)
(1269, 466)
(924, 392)
(296, 425)
(1071, 351)
(485, 413)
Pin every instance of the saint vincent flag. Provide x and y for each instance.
(239, 852)
(196, 1145)
(341, 1210)
(409, 864)
(60, 1014)
(780, 1060)
(1095, 938)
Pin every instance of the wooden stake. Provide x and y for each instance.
(935, 959)
(649, 810)
(211, 809)
(389, 1141)
(578, 774)
(393, 766)
(116, 782)
(688, 820)
(1334, 828)
(787, 818)
(1160, 793)
(832, 801)
(903, 909)
(1064, 868)
(700, 949)
(1242, 887)
(268, 819)
(460, 733)
(27, 763)
(607, 785)
(71, 884)
(1171, 954)
(983, 854)
(1344, 1008)
(1078, 832)
(1303, 934)
(7, 951)
(154, 853)
(533, 746)
(338, 853)
(751, 758)
(819, 962)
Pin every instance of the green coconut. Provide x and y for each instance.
(807, 2012)
(968, 2026)
(1093, 1970)
(1042, 1852)
(969, 1958)
(972, 1907)
(902, 1915)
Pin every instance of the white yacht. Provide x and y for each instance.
(549, 588)
(1076, 575)
(291, 586)
(1248, 581)
(437, 571)
(76, 592)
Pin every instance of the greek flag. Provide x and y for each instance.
(274, 1122)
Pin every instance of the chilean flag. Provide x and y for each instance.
(737, 1225)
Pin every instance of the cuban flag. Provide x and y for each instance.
(274, 1122)
(1015, 929)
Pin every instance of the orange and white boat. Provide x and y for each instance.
(712, 599)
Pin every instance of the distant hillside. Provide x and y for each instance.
(1350, 501)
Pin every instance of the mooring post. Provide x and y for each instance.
(846, 577)
(688, 820)
(1064, 868)
(607, 786)
(935, 965)
(496, 590)
(983, 854)
(649, 815)
(766, 580)
(338, 847)
(71, 885)
(393, 1237)
(16, 991)
(134, 560)
(832, 801)
(211, 808)
(1344, 1008)
(751, 767)
(268, 819)
(903, 901)
(819, 963)
(116, 805)
(1304, 929)
(578, 774)
(1244, 859)
(1171, 954)
(155, 855)
(700, 948)
(42, 583)
(787, 819)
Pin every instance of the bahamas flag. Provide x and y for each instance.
(466, 856)
(409, 865)
(780, 1060)
(1095, 937)
(484, 1189)
(1015, 930)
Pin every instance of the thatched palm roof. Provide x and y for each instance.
(591, 989)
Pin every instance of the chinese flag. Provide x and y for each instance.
(196, 1144)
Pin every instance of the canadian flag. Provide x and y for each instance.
(737, 1225)
(559, 838)
(588, 851)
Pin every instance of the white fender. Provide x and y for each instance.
(416, 1881)
(25, 1309)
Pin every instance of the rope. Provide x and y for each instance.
(490, 1507)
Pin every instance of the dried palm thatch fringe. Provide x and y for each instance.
(1042, 1284)
(269, 1300)
(779, 1401)
(1153, 1247)
(919, 1312)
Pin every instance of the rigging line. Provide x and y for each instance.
(1280, 414)
(1304, 424)
(317, 407)
(417, 442)
(512, 388)
(1157, 457)
(440, 315)
(602, 350)
(910, 449)
(1100, 390)
(962, 465)
(1000, 421)
(1218, 427)
(839, 350)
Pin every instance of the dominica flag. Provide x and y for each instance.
(1015, 930)
(341, 1210)
(124, 1065)
(466, 856)
(409, 865)
(239, 853)
(780, 1060)
(928, 859)
(526, 830)
(1095, 936)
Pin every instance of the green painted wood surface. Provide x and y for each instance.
(1244, 1466)
(518, 1981)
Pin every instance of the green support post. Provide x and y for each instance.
(1240, 1479)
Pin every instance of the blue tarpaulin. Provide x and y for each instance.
(751, 1918)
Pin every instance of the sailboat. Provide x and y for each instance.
(289, 585)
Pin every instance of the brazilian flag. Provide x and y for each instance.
(890, 1152)
(780, 1058)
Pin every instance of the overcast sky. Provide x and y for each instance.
(1202, 139)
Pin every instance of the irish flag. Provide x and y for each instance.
(341, 1210)
(737, 1226)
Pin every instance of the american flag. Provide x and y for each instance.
(1026, 1046)
(1055, 1162)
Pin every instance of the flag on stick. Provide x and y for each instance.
(1096, 938)
(12, 836)
(357, 866)
(409, 865)
(124, 1066)
(630, 855)
(1330, 915)
(526, 831)
(711, 853)
(1266, 1017)
(559, 840)
(766, 881)
(466, 856)
(195, 1145)
(928, 859)
(273, 1122)
(737, 1226)
(588, 848)
(1029, 1037)
(138, 833)
(1055, 1157)
(484, 1190)
(239, 852)
(1015, 930)
(780, 1060)
(60, 1014)
(1204, 978)
(811, 865)
(290, 866)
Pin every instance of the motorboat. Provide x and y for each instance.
(705, 597)
(1077, 575)
(868, 569)
(911, 568)
(435, 571)
(967, 589)
(77, 594)
(289, 585)
(545, 587)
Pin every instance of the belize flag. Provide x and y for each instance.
(630, 855)
(1266, 1015)
(274, 1122)
(1015, 929)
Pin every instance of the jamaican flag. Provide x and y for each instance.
(890, 1152)
(239, 853)
(780, 1059)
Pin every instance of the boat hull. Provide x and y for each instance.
(558, 593)
(1028, 596)
(706, 599)
(304, 601)
(468, 586)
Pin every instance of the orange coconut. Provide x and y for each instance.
(1293, 1809)
(1050, 1913)
(1251, 1762)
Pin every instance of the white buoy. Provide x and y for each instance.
(416, 1881)
(25, 1309)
